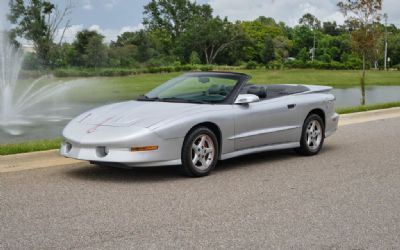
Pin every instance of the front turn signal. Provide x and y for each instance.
(146, 148)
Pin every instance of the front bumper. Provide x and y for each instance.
(113, 145)
(167, 154)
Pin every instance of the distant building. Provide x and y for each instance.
(28, 48)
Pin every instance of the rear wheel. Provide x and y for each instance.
(313, 135)
(199, 152)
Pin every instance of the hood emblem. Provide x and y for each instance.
(94, 129)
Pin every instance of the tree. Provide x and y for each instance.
(303, 37)
(394, 49)
(330, 28)
(90, 50)
(364, 15)
(140, 39)
(312, 23)
(194, 58)
(174, 15)
(38, 21)
(96, 52)
(211, 37)
(282, 46)
(257, 31)
(269, 50)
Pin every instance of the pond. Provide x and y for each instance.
(345, 98)
(378, 94)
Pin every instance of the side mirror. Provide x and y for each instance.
(246, 99)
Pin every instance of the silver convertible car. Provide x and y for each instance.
(196, 119)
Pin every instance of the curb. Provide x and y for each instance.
(34, 160)
(51, 158)
(367, 116)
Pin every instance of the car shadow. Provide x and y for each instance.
(253, 160)
(110, 174)
(169, 173)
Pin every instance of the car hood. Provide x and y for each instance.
(137, 113)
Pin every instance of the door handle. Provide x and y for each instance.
(291, 106)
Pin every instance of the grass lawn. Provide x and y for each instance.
(334, 78)
(102, 89)
(31, 146)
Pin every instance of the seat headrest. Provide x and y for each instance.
(259, 91)
(217, 90)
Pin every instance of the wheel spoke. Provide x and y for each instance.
(203, 152)
(202, 141)
(309, 140)
(209, 150)
(203, 162)
(313, 125)
(195, 159)
(314, 142)
(314, 134)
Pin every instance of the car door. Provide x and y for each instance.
(267, 122)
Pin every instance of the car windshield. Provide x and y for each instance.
(194, 88)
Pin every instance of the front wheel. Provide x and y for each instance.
(313, 135)
(199, 152)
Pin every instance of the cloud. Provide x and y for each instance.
(290, 11)
(69, 34)
(109, 34)
(111, 4)
(87, 5)
(112, 34)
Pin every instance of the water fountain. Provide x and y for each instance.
(22, 104)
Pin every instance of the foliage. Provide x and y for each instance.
(37, 21)
(173, 16)
(364, 15)
(90, 50)
(251, 65)
(182, 32)
(268, 53)
(211, 37)
(194, 58)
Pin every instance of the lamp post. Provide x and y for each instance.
(386, 41)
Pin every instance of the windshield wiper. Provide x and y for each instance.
(146, 98)
(176, 99)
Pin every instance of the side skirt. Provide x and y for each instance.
(260, 149)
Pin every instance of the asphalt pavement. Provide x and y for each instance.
(347, 197)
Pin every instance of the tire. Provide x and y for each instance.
(312, 136)
(200, 152)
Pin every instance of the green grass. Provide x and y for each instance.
(349, 110)
(31, 146)
(109, 89)
(334, 78)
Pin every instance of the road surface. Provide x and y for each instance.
(347, 197)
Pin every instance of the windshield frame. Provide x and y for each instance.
(241, 79)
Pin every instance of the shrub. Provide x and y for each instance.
(397, 66)
(251, 65)
(194, 58)
(207, 67)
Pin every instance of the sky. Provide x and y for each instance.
(113, 17)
